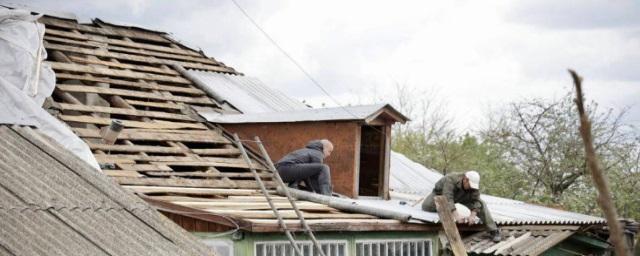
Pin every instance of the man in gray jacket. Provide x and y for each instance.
(306, 164)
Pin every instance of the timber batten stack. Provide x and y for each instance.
(166, 152)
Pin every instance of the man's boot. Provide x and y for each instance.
(496, 235)
(326, 189)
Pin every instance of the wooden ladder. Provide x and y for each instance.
(284, 187)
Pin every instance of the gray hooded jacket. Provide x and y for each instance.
(312, 153)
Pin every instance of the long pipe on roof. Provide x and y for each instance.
(346, 205)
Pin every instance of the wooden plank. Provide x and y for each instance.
(449, 226)
(144, 167)
(142, 68)
(123, 111)
(99, 70)
(193, 191)
(179, 182)
(130, 148)
(136, 58)
(154, 104)
(138, 85)
(128, 134)
(132, 124)
(254, 206)
(111, 158)
(287, 214)
(220, 163)
(76, 42)
(170, 56)
(121, 173)
(131, 93)
(206, 174)
(104, 31)
(111, 41)
(217, 151)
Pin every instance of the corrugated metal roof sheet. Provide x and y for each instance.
(52, 203)
(411, 181)
(247, 94)
(362, 112)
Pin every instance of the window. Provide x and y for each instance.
(404, 247)
(284, 248)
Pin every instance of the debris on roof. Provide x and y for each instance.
(66, 208)
(519, 240)
(365, 113)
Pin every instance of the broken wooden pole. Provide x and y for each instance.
(605, 200)
(449, 226)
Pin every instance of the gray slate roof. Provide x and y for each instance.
(53, 203)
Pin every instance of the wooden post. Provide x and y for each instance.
(450, 228)
(605, 200)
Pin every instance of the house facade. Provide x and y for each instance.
(176, 151)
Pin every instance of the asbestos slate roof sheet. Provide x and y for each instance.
(247, 94)
(518, 240)
(411, 181)
(52, 203)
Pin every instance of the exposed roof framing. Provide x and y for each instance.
(165, 151)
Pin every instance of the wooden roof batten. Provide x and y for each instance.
(166, 153)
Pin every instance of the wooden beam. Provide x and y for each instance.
(104, 71)
(132, 93)
(135, 58)
(179, 182)
(154, 104)
(137, 85)
(153, 135)
(131, 124)
(193, 191)
(130, 148)
(124, 111)
(450, 228)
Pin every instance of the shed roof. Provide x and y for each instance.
(52, 203)
(364, 113)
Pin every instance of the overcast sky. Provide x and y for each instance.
(474, 54)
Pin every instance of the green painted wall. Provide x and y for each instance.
(244, 242)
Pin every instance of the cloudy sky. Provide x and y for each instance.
(472, 54)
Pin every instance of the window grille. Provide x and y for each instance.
(284, 248)
(402, 247)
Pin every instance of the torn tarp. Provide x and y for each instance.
(25, 81)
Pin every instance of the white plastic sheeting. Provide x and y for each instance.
(25, 81)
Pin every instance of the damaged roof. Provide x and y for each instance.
(52, 203)
(166, 153)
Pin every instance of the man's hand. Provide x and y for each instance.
(458, 218)
(473, 218)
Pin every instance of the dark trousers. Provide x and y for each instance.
(315, 175)
(429, 205)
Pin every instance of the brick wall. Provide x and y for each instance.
(282, 138)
